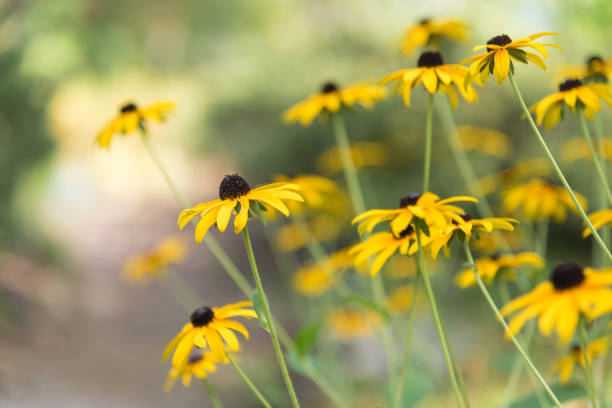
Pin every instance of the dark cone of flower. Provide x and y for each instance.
(500, 40)
(410, 199)
(566, 276)
(409, 230)
(202, 316)
(128, 107)
(575, 348)
(569, 84)
(329, 87)
(430, 59)
(495, 256)
(424, 21)
(233, 186)
(466, 217)
(594, 58)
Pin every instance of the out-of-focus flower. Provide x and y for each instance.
(572, 291)
(323, 228)
(489, 267)
(315, 279)
(199, 365)
(435, 77)
(154, 263)
(573, 93)
(598, 219)
(574, 356)
(540, 200)
(500, 51)
(520, 170)
(485, 140)
(319, 193)
(400, 299)
(401, 267)
(234, 191)
(331, 98)
(496, 241)
(429, 32)
(364, 154)
(132, 118)
(576, 149)
(596, 69)
(347, 324)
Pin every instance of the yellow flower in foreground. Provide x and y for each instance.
(314, 279)
(571, 292)
(132, 118)
(540, 200)
(199, 365)
(347, 324)
(212, 327)
(400, 299)
(501, 50)
(598, 219)
(490, 266)
(364, 154)
(576, 149)
(596, 69)
(435, 76)
(520, 170)
(565, 365)
(322, 227)
(153, 263)
(485, 140)
(331, 98)
(234, 191)
(430, 31)
(573, 93)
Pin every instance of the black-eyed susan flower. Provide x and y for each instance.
(501, 50)
(577, 149)
(558, 303)
(598, 219)
(596, 69)
(234, 191)
(132, 118)
(319, 193)
(491, 266)
(573, 93)
(540, 200)
(435, 77)
(575, 356)
(154, 263)
(314, 279)
(400, 299)
(323, 228)
(198, 365)
(364, 154)
(519, 170)
(485, 140)
(347, 324)
(331, 98)
(429, 32)
(428, 207)
(210, 327)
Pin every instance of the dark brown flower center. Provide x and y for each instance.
(430, 59)
(500, 40)
(424, 21)
(410, 199)
(329, 87)
(566, 276)
(202, 316)
(233, 186)
(569, 84)
(495, 256)
(194, 357)
(409, 230)
(128, 107)
(594, 59)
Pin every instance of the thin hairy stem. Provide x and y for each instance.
(212, 394)
(588, 368)
(248, 382)
(428, 142)
(598, 167)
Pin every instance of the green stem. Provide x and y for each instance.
(452, 371)
(428, 140)
(268, 315)
(350, 172)
(248, 382)
(542, 228)
(485, 292)
(556, 167)
(598, 166)
(212, 394)
(588, 369)
(603, 203)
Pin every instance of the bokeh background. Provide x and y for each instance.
(73, 332)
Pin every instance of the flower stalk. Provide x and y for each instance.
(600, 170)
(212, 394)
(248, 382)
(588, 368)
(428, 142)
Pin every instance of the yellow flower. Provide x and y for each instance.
(371, 154)
(235, 190)
(212, 327)
(429, 32)
(596, 69)
(519, 170)
(598, 219)
(290, 238)
(199, 365)
(572, 93)
(400, 267)
(400, 300)
(484, 140)
(540, 200)
(488, 267)
(153, 263)
(319, 193)
(132, 118)
(500, 51)
(331, 98)
(492, 243)
(347, 324)
(565, 365)
(316, 278)
(428, 207)
(571, 291)
(576, 149)
(435, 76)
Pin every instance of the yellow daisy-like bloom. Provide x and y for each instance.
(492, 243)
(364, 154)
(331, 98)
(153, 263)
(323, 228)
(316, 278)
(235, 190)
(400, 299)
(428, 207)
(501, 50)
(571, 291)
(347, 324)
(435, 76)
(319, 193)
(540, 200)
(572, 93)
(199, 365)
(212, 327)
(132, 118)
(598, 219)
(577, 149)
(490, 266)
(519, 170)
(430, 32)
(565, 365)
(485, 140)
(596, 69)
(401, 267)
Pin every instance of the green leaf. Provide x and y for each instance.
(421, 225)
(259, 309)
(367, 303)
(307, 338)
(565, 393)
(416, 387)
(518, 54)
(258, 211)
